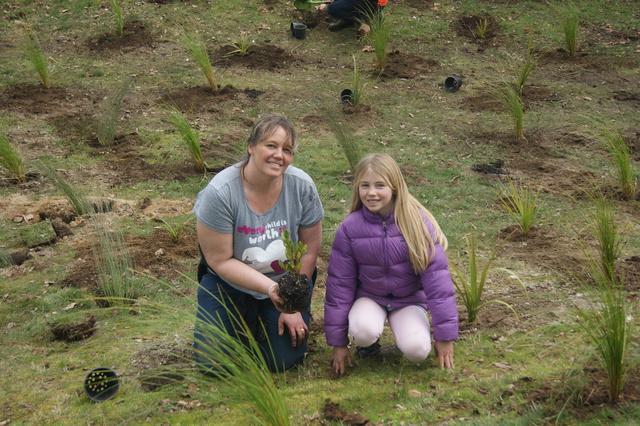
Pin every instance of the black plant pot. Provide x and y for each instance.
(101, 384)
(451, 84)
(298, 30)
(346, 96)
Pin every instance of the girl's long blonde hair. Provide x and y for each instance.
(406, 209)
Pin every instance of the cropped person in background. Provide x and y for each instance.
(388, 263)
(350, 13)
(241, 214)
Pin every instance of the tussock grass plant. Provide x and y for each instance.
(378, 36)
(5, 259)
(521, 203)
(358, 86)
(606, 325)
(174, 230)
(527, 66)
(239, 361)
(241, 47)
(117, 12)
(113, 263)
(188, 134)
(11, 160)
(482, 26)
(568, 17)
(109, 117)
(194, 43)
(350, 143)
(509, 97)
(37, 56)
(605, 230)
(76, 197)
(471, 287)
(620, 155)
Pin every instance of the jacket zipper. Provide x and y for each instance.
(385, 252)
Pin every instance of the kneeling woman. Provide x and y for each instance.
(241, 214)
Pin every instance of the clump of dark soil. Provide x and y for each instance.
(406, 65)
(135, 35)
(259, 56)
(295, 291)
(332, 411)
(74, 331)
(469, 27)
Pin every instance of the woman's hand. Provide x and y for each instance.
(340, 354)
(274, 295)
(296, 326)
(444, 351)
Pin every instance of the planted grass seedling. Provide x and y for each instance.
(482, 26)
(620, 155)
(509, 97)
(530, 60)
(241, 47)
(521, 203)
(189, 136)
(378, 36)
(175, 231)
(11, 160)
(471, 287)
(196, 46)
(37, 56)
(293, 287)
(117, 12)
(109, 117)
(346, 136)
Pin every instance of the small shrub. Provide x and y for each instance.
(293, 287)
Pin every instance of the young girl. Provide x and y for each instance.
(388, 263)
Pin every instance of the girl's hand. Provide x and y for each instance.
(340, 353)
(296, 326)
(444, 351)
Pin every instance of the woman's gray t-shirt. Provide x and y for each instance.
(222, 206)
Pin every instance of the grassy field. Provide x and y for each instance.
(92, 112)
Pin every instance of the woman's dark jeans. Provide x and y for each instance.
(213, 294)
(354, 10)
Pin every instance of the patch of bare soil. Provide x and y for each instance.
(74, 331)
(333, 411)
(259, 56)
(201, 98)
(161, 364)
(482, 30)
(406, 65)
(135, 35)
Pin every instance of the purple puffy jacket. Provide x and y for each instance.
(370, 258)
